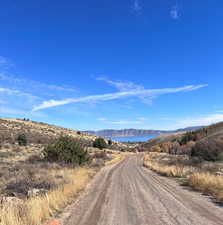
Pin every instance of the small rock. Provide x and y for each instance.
(8, 201)
(34, 192)
(219, 173)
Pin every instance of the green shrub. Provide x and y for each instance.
(99, 143)
(189, 136)
(78, 132)
(66, 149)
(110, 142)
(210, 150)
(22, 140)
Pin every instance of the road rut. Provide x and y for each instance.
(129, 194)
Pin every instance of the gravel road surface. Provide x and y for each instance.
(129, 194)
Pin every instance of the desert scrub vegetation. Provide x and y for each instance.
(209, 149)
(206, 177)
(205, 143)
(67, 149)
(60, 184)
(37, 209)
(42, 167)
(22, 139)
(187, 137)
(37, 132)
(99, 143)
(36, 189)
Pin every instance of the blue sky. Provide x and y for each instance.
(112, 64)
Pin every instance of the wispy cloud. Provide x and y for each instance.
(118, 95)
(125, 122)
(137, 8)
(174, 12)
(121, 85)
(142, 118)
(34, 84)
(8, 91)
(18, 93)
(200, 121)
(5, 62)
(102, 119)
(138, 120)
(12, 111)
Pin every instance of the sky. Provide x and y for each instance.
(94, 65)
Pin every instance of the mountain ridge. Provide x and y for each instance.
(137, 132)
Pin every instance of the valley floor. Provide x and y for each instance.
(129, 194)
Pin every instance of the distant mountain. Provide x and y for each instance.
(189, 129)
(137, 132)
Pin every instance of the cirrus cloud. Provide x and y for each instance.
(149, 93)
(137, 8)
(204, 120)
(174, 12)
(125, 122)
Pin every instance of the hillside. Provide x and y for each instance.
(206, 142)
(194, 159)
(38, 159)
(43, 133)
(136, 132)
(37, 135)
(37, 132)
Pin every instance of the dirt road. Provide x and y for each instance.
(129, 194)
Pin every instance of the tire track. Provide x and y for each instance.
(129, 194)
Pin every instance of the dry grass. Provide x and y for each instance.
(169, 171)
(35, 210)
(117, 157)
(196, 177)
(61, 183)
(22, 169)
(207, 183)
(42, 133)
(159, 162)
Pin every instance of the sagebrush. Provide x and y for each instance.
(99, 143)
(66, 149)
